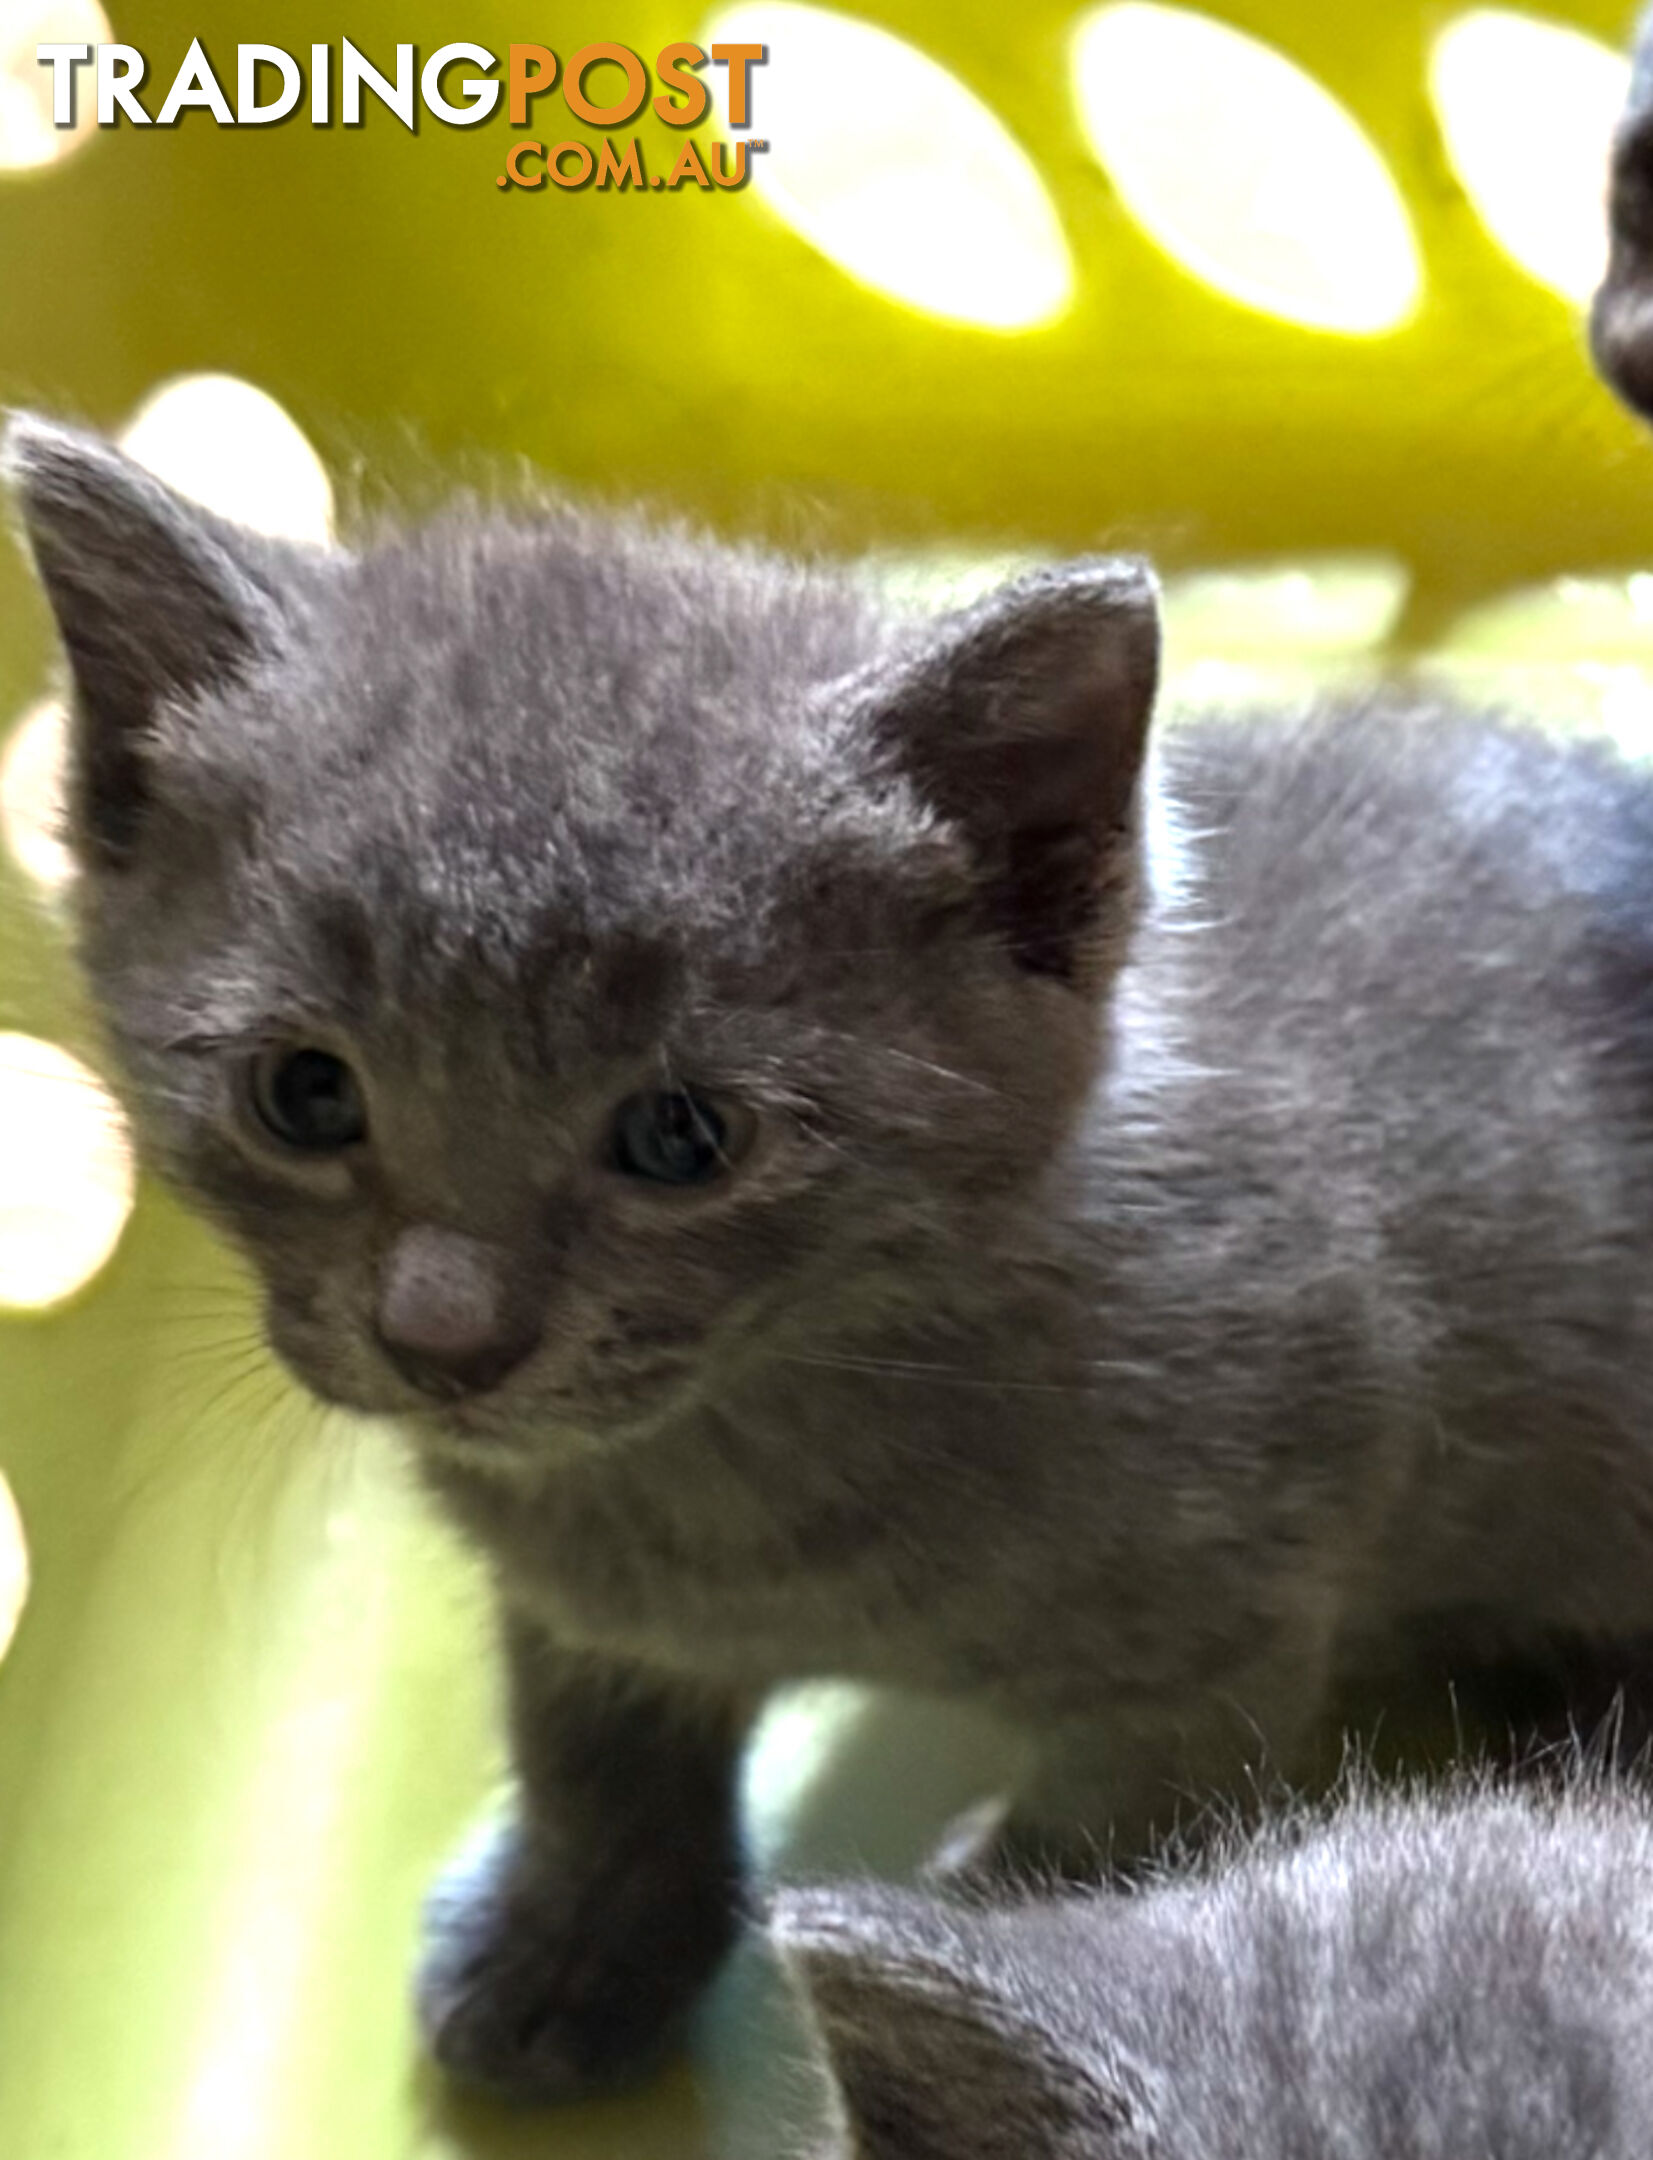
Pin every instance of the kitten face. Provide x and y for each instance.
(569, 960)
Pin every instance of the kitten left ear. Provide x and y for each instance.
(933, 2055)
(1024, 722)
(155, 598)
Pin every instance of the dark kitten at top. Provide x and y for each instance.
(835, 1173)
(1621, 318)
(1461, 1979)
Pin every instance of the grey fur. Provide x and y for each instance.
(1459, 1979)
(1171, 1276)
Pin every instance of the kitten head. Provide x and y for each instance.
(568, 957)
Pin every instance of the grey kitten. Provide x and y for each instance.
(1461, 1979)
(836, 1173)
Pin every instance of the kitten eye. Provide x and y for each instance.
(672, 1138)
(308, 1099)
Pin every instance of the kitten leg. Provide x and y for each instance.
(562, 1953)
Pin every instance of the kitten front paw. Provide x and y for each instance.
(539, 1985)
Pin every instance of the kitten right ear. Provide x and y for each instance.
(155, 598)
(1024, 721)
(935, 2051)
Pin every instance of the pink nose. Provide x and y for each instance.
(447, 1319)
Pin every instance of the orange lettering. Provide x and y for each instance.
(605, 116)
(533, 71)
(738, 58)
(573, 179)
(688, 167)
(676, 76)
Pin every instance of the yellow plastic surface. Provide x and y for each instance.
(249, 1705)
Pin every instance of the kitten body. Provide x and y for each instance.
(1402, 1980)
(1142, 1296)
(1322, 1318)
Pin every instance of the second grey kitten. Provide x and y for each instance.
(836, 1173)
(1467, 1978)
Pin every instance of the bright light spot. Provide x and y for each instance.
(31, 795)
(27, 136)
(1597, 697)
(894, 170)
(934, 579)
(1278, 633)
(1244, 169)
(65, 1173)
(14, 1567)
(231, 447)
(1625, 702)
(1574, 652)
(1329, 607)
(1570, 619)
(1528, 110)
(792, 1748)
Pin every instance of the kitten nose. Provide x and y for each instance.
(447, 1319)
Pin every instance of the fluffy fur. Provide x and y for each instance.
(1146, 1311)
(1402, 1980)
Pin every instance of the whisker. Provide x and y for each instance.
(938, 1375)
(906, 1057)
